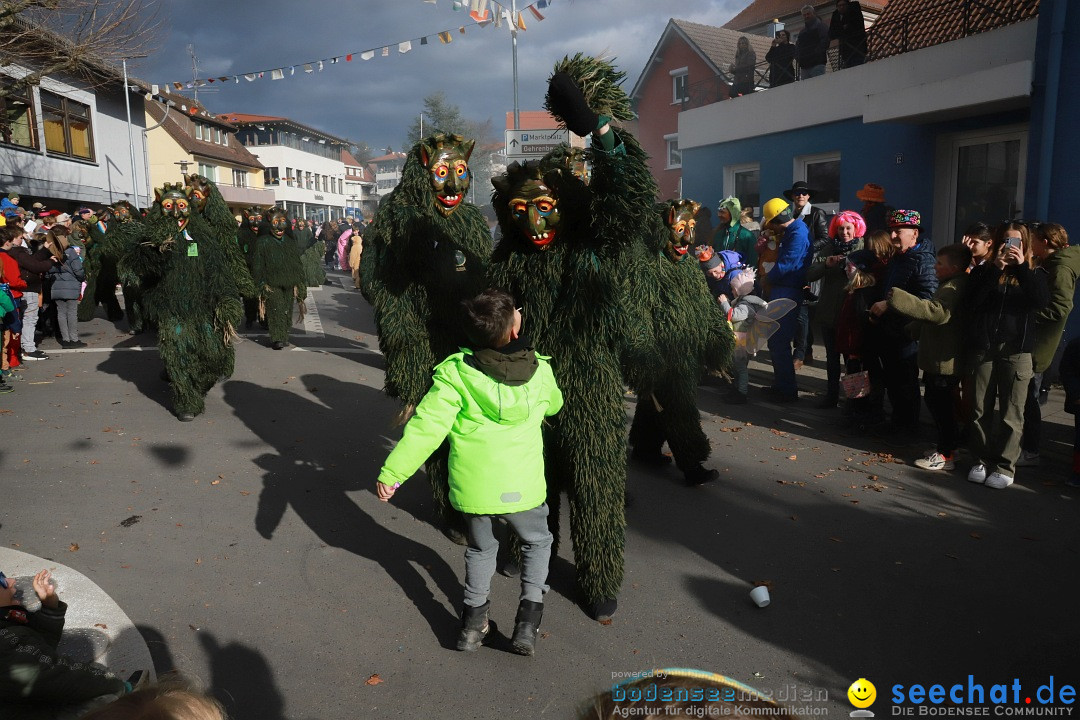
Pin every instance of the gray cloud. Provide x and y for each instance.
(375, 101)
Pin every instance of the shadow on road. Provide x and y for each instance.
(299, 475)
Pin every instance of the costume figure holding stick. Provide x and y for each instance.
(278, 277)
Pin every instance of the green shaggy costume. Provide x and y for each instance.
(312, 252)
(101, 279)
(424, 252)
(692, 334)
(193, 276)
(278, 276)
(123, 233)
(570, 256)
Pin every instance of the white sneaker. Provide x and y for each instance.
(998, 481)
(935, 461)
(1028, 459)
(977, 474)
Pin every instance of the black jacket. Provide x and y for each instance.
(913, 272)
(1003, 313)
(818, 226)
(812, 45)
(849, 30)
(33, 265)
(781, 59)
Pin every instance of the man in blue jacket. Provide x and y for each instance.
(786, 280)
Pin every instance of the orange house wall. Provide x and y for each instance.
(657, 116)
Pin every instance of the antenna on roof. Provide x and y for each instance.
(195, 74)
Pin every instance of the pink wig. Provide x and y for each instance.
(847, 216)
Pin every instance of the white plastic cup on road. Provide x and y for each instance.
(760, 596)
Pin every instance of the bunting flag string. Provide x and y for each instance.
(478, 10)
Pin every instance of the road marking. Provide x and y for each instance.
(312, 321)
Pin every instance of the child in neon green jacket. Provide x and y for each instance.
(491, 404)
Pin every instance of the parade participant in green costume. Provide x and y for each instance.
(100, 269)
(570, 254)
(692, 334)
(247, 233)
(278, 276)
(123, 231)
(193, 281)
(425, 251)
(311, 253)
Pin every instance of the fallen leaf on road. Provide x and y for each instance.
(792, 457)
(103, 626)
(73, 547)
(373, 680)
(605, 622)
(215, 482)
(794, 517)
(941, 514)
(836, 539)
(636, 652)
(128, 522)
(198, 561)
(245, 492)
(854, 502)
(193, 627)
(126, 567)
(774, 431)
(763, 583)
(975, 536)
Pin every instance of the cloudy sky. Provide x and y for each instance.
(375, 101)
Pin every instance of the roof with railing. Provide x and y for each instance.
(760, 12)
(908, 25)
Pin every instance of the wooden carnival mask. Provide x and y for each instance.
(447, 159)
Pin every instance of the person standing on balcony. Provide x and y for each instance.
(781, 59)
(848, 28)
(812, 45)
(742, 69)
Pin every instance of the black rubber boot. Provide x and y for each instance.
(474, 627)
(700, 475)
(603, 609)
(526, 625)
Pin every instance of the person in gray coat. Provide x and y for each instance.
(66, 276)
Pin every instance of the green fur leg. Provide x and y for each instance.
(279, 307)
(312, 260)
(195, 357)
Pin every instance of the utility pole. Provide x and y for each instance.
(513, 41)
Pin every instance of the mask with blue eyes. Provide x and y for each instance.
(446, 158)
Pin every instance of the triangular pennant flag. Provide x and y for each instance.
(223, 79)
(461, 29)
(154, 89)
(292, 70)
(404, 47)
(320, 65)
(178, 86)
(348, 58)
(189, 85)
(423, 41)
(209, 80)
(385, 51)
(236, 79)
(334, 61)
(367, 54)
(308, 68)
(499, 18)
(261, 75)
(444, 38)
(250, 77)
(520, 22)
(430, 2)
(536, 13)
(277, 74)
(200, 83)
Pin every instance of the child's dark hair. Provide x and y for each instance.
(979, 231)
(8, 233)
(958, 255)
(488, 318)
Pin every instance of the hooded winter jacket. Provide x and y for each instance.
(1003, 313)
(494, 426)
(1063, 267)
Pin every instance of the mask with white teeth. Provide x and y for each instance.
(680, 222)
(447, 160)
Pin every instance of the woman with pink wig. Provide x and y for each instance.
(846, 233)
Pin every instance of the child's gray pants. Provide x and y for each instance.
(529, 525)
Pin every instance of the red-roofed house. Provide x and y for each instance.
(387, 171)
(183, 137)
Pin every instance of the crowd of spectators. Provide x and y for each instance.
(808, 56)
(982, 318)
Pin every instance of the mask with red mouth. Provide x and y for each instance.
(122, 211)
(533, 204)
(200, 190)
(447, 159)
(680, 222)
(253, 216)
(175, 202)
(279, 221)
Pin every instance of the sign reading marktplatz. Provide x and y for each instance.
(534, 144)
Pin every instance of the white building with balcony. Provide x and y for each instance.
(303, 166)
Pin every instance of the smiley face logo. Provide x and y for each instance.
(862, 693)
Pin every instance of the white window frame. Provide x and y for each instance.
(239, 178)
(730, 171)
(668, 140)
(948, 160)
(799, 173)
(208, 171)
(678, 74)
(198, 131)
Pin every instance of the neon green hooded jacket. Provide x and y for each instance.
(496, 444)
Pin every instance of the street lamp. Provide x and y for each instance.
(131, 142)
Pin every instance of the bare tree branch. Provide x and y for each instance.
(83, 39)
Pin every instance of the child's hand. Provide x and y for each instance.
(385, 491)
(722, 298)
(45, 591)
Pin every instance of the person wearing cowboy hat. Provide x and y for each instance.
(874, 210)
(818, 225)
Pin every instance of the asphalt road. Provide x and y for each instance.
(251, 552)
